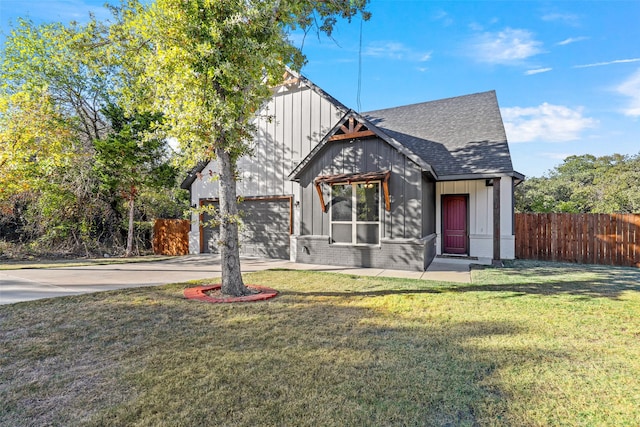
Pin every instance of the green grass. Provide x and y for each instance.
(528, 345)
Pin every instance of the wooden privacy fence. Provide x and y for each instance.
(171, 237)
(612, 239)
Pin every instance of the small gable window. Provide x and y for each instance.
(355, 213)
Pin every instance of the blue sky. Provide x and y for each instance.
(567, 74)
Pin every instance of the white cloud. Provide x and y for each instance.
(556, 156)
(546, 122)
(537, 71)
(631, 89)
(395, 50)
(509, 46)
(600, 64)
(571, 40)
(443, 17)
(566, 18)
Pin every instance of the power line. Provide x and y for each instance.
(359, 71)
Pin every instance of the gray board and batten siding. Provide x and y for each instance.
(288, 127)
(282, 140)
(459, 139)
(407, 230)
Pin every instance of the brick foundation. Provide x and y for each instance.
(405, 254)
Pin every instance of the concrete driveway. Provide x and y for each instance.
(26, 285)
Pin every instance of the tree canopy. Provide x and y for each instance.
(129, 161)
(57, 82)
(208, 65)
(34, 141)
(585, 184)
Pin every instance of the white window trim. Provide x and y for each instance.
(354, 215)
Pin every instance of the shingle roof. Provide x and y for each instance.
(456, 136)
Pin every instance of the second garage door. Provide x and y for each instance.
(265, 231)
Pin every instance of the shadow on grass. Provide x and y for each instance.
(323, 364)
(147, 357)
(585, 289)
(545, 278)
(514, 281)
(372, 293)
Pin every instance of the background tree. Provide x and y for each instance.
(585, 184)
(128, 161)
(618, 186)
(53, 59)
(34, 140)
(53, 99)
(209, 65)
(56, 81)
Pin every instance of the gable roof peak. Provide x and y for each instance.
(293, 79)
(353, 126)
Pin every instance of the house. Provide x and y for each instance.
(390, 188)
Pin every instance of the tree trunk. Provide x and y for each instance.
(130, 232)
(232, 283)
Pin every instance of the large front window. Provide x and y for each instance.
(355, 213)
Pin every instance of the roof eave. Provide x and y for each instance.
(484, 175)
(193, 174)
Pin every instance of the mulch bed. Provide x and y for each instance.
(213, 294)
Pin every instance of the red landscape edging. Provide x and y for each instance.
(198, 293)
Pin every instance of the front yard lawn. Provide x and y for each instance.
(531, 344)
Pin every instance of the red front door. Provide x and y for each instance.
(454, 225)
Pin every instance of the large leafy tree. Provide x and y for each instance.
(36, 98)
(51, 98)
(34, 141)
(585, 184)
(129, 161)
(52, 59)
(618, 186)
(208, 66)
(58, 88)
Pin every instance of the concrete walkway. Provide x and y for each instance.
(439, 270)
(26, 285)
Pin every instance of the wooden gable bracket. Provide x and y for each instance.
(382, 176)
(351, 130)
(288, 79)
(321, 196)
(385, 189)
